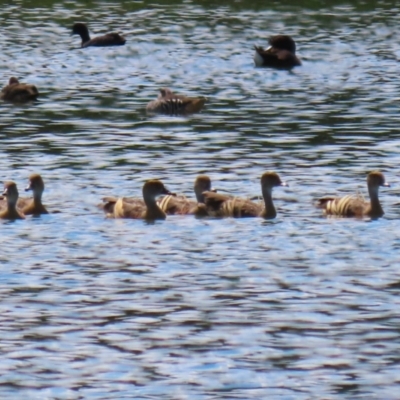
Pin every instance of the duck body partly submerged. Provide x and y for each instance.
(168, 102)
(17, 92)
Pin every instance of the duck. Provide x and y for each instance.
(11, 193)
(168, 102)
(281, 54)
(150, 211)
(33, 206)
(109, 39)
(219, 205)
(19, 92)
(356, 205)
(181, 205)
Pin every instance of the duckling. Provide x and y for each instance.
(33, 206)
(168, 102)
(151, 211)
(18, 92)
(219, 205)
(281, 54)
(356, 206)
(109, 39)
(11, 194)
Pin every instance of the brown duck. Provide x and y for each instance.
(149, 211)
(33, 206)
(18, 92)
(173, 104)
(109, 39)
(356, 206)
(281, 54)
(219, 205)
(11, 194)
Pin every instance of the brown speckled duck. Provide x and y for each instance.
(281, 54)
(173, 104)
(109, 39)
(149, 211)
(182, 205)
(19, 92)
(356, 206)
(219, 205)
(11, 194)
(33, 206)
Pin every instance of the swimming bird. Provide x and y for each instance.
(11, 194)
(18, 92)
(356, 206)
(149, 211)
(109, 39)
(33, 206)
(281, 54)
(168, 102)
(219, 205)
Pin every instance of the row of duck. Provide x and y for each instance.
(280, 54)
(158, 202)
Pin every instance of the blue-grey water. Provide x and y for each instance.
(301, 307)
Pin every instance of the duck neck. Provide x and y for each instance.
(11, 204)
(269, 210)
(84, 34)
(37, 199)
(153, 211)
(199, 196)
(376, 208)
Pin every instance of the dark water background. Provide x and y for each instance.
(301, 307)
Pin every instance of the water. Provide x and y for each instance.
(296, 308)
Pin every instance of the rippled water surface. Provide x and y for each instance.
(301, 307)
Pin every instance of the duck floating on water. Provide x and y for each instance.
(17, 92)
(281, 54)
(109, 39)
(11, 194)
(356, 206)
(168, 102)
(219, 205)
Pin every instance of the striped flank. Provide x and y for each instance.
(165, 202)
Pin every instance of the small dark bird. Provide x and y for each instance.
(281, 54)
(109, 39)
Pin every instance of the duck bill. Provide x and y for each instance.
(386, 184)
(29, 187)
(284, 184)
(166, 191)
(4, 192)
